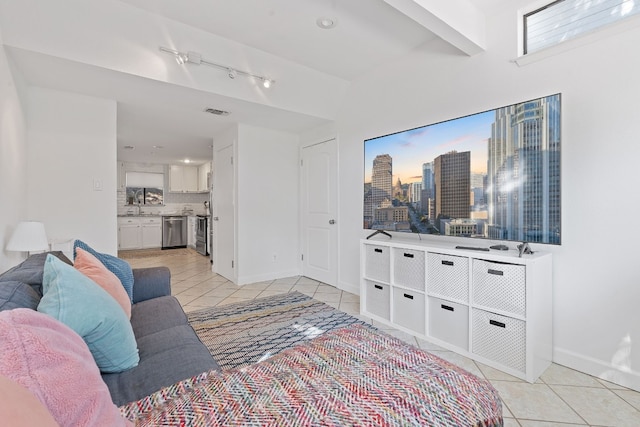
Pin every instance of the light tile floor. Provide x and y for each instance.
(561, 397)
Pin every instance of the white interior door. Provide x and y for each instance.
(224, 214)
(319, 208)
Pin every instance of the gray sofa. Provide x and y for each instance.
(169, 349)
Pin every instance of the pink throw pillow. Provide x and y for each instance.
(91, 267)
(55, 365)
(21, 408)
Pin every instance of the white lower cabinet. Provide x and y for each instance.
(129, 233)
(151, 232)
(139, 233)
(494, 307)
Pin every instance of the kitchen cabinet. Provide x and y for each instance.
(139, 233)
(190, 182)
(183, 179)
(203, 177)
(151, 232)
(129, 236)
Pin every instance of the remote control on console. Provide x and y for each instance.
(473, 248)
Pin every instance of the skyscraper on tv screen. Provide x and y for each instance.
(381, 180)
(524, 172)
(451, 174)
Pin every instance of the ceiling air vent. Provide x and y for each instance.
(216, 111)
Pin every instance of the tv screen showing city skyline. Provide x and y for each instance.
(494, 174)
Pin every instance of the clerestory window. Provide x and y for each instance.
(566, 19)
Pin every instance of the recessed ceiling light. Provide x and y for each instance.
(187, 161)
(158, 147)
(326, 23)
(128, 147)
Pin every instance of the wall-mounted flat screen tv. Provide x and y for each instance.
(492, 175)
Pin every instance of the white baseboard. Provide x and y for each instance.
(245, 280)
(349, 287)
(620, 375)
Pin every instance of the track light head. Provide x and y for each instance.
(181, 58)
(267, 83)
(232, 73)
(194, 58)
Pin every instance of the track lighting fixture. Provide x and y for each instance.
(195, 58)
(181, 58)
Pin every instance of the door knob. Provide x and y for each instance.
(332, 221)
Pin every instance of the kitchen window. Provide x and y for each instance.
(144, 188)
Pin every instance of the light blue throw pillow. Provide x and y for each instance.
(77, 301)
(117, 266)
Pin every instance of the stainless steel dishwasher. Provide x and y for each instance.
(174, 232)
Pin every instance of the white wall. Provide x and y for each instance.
(13, 161)
(268, 230)
(596, 279)
(72, 145)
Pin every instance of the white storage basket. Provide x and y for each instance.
(377, 263)
(499, 338)
(448, 276)
(499, 286)
(378, 299)
(408, 268)
(409, 309)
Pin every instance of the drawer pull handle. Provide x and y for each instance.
(447, 262)
(446, 307)
(496, 272)
(408, 296)
(378, 250)
(377, 287)
(408, 255)
(496, 323)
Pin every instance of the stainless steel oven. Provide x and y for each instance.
(202, 235)
(174, 232)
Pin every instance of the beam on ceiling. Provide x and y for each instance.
(457, 22)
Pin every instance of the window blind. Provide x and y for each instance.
(145, 179)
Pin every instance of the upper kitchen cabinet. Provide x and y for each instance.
(183, 179)
(204, 172)
(188, 179)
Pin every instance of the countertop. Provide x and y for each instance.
(145, 215)
(138, 216)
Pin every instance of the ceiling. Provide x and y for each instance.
(367, 34)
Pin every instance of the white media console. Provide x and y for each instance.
(493, 307)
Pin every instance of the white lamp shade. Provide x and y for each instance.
(28, 236)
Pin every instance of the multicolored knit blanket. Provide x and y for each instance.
(354, 376)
